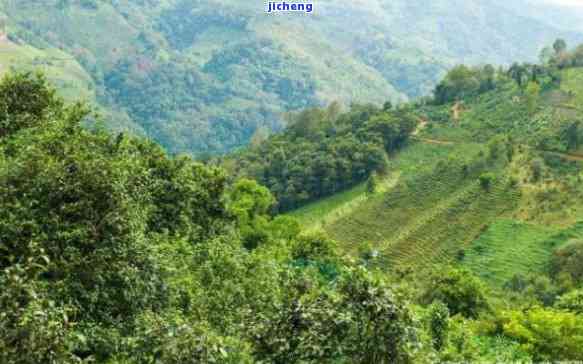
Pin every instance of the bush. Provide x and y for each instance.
(547, 334)
(572, 301)
(439, 324)
(486, 180)
(459, 289)
(568, 259)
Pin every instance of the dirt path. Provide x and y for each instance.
(423, 124)
(434, 141)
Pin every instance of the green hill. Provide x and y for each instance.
(215, 71)
(61, 68)
(492, 191)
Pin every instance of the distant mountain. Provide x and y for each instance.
(203, 75)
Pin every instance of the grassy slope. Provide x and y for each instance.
(510, 247)
(430, 218)
(63, 70)
(318, 212)
(329, 210)
(381, 217)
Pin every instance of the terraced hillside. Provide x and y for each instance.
(442, 234)
(511, 248)
(497, 191)
(380, 217)
(435, 210)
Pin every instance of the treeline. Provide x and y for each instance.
(463, 81)
(561, 57)
(324, 151)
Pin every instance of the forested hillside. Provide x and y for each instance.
(485, 190)
(324, 151)
(204, 76)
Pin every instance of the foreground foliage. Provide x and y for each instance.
(114, 252)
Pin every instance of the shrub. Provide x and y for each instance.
(439, 324)
(459, 289)
(486, 180)
(569, 259)
(572, 301)
(547, 334)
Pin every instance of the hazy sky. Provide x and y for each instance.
(578, 3)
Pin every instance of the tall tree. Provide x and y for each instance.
(560, 46)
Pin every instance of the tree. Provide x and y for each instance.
(167, 340)
(547, 334)
(487, 78)
(81, 201)
(362, 321)
(486, 180)
(247, 200)
(26, 101)
(88, 209)
(460, 82)
(546, 55)
(568, 259)
(571, 134)
(32, 328)
(577, 57)
(459, 289)
(439, 324)
(560, 46)
(517, 72)
(250, 203)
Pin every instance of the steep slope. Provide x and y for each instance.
(496, 191)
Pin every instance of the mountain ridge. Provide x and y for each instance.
(245, 69)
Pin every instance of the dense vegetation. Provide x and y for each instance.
(324, 151)
(462, 242)
(480, 211)
(203, 76)
(114, 252)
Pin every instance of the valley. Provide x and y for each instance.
(199, 182)
(219, 70)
